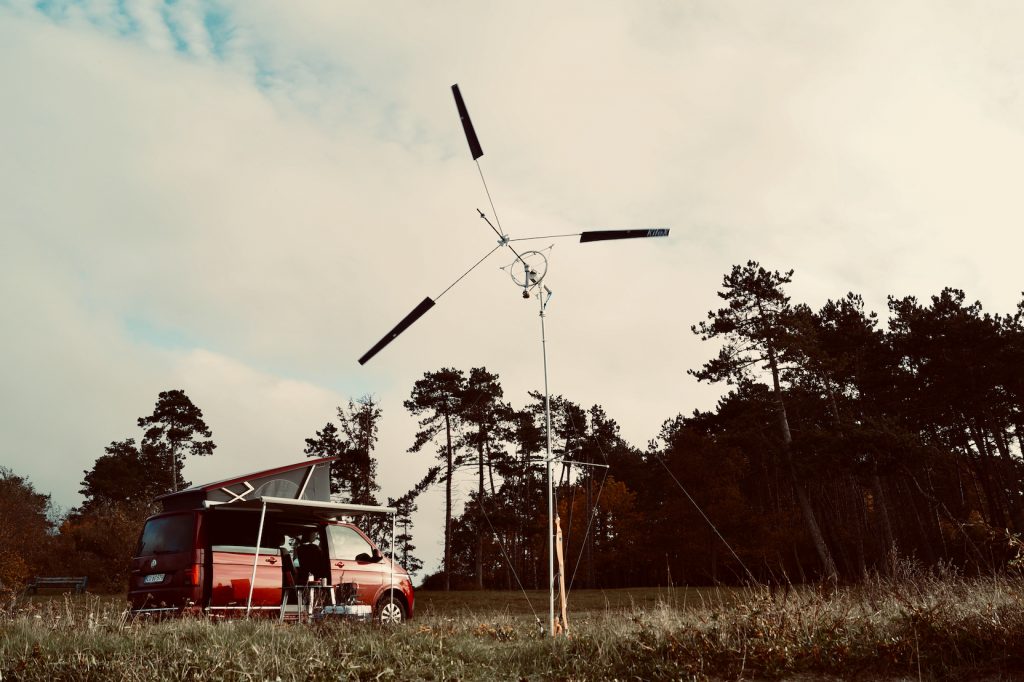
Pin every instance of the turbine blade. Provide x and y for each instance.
(467, 125)
(417, 312)
(604, 235)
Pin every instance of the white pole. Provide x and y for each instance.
(393, 548)
(547, 459)
(255, 559)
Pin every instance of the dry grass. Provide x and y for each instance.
(919, 626)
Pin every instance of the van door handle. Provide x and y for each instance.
(340, 564)
(271, 560)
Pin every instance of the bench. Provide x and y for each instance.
(77, 583)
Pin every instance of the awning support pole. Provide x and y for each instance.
(255, 559)
(393, 553)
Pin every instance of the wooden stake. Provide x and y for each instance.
(564, 624)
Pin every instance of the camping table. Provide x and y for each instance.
(308, 598)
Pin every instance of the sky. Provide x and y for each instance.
(238, 199)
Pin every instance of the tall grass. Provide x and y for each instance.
(918, 625)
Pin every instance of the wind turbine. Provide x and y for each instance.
(527, 271)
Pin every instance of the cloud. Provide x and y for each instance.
(240, 198)
(261, 419)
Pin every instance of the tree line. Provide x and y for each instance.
(839, 444)
(97, 538)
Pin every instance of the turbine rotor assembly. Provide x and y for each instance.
(528, 270)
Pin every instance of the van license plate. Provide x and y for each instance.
(153, 578)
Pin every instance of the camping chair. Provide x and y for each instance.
(289, 589)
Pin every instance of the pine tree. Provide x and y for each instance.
(436, 399)
(754, 328)
(488, 421)
(176, 428)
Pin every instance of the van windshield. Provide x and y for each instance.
(166, 535)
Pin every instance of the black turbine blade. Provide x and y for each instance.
(604, 235)
(467, 125)
(417, 312)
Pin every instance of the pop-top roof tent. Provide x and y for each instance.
(307, 480)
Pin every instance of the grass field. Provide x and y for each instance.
(920, 627)
(581, 602)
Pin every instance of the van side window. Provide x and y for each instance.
(347, 543)
(236, 531)
(166, 535)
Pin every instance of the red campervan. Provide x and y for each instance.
(266, 543)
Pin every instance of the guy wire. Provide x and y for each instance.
(508, 560)
(468, 271)
(593, 510)
(701, 511)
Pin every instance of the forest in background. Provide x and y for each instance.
(840, 444)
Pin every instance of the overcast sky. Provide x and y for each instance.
(239, 198)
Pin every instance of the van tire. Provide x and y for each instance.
(389, 612)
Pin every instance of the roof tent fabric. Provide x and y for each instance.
(307, 480)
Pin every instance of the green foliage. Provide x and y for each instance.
(175, 429)
(354, 473)
(406, 506)
(360, 422)
(125, 474)
(755, 325)
(328, 443)
(98, 538)
(435, 399)
(99, 542)
(25, 529)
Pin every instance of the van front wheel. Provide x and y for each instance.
(389, 612)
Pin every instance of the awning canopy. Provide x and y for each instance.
(305, 509)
